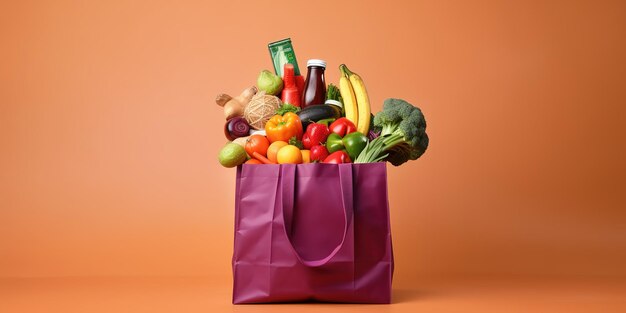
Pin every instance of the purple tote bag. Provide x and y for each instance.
(312, 232)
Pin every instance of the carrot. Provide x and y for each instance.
(261, 158)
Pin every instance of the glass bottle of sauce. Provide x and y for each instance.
(315, 85)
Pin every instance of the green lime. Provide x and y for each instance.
(232, 155)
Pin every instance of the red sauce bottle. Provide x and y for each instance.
(315, 85)
(290, 92)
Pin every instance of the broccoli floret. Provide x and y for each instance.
(388, 121)
(403, 131)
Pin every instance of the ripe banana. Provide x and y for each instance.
(362, 100)
(349, 99)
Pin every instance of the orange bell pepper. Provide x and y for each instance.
(283, 127)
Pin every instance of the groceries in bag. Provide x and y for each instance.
(325, 123)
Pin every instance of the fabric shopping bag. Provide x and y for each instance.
(315, 232)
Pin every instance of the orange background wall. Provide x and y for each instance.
(109, 132)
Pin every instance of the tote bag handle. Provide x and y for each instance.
(288, 180)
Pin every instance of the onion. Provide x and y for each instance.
(236, 127)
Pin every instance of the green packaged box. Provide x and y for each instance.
(282, 53)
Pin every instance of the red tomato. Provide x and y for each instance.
(318, 153)
(254, 161)
(257, 143)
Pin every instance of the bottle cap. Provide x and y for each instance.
(316, 62)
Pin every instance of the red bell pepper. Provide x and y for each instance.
(318, 153)
(338, 157)
(342, 127)
(315, 134)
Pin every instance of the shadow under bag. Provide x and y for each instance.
(312, 232)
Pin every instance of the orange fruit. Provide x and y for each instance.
(253, 161)
(306, 156)
(289, 154)
(272, 151)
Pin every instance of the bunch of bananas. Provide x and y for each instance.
(356, 103)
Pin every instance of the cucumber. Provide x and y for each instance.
(314, 113)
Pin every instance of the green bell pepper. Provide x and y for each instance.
(355, 143)
(334, 143)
